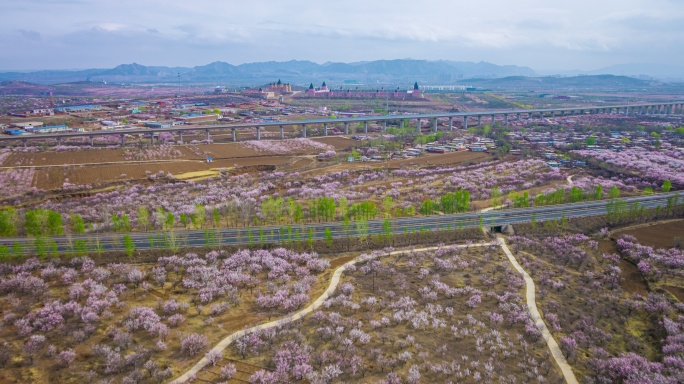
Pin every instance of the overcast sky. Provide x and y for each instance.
(541, 34)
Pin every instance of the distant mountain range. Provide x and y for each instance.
(638, 70)
(370, 72)
(550, 83)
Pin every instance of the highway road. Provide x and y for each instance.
(653, 108)
(178, 239)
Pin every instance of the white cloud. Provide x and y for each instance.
(528, 32)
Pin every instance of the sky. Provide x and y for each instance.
(546, 35)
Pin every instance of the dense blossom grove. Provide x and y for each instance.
(16, 181)
(156, 152)
(120, 317)
(453, 315)
(288, 146)
(601, 324)
(652, 263)
(651, 166)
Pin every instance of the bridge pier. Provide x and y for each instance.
(493, 119)
(282, 132)
(384, 126)
(24, 141)
(479, 120)
(451, 123)
(180, 136)
(234, 132)
(303, 130)
(465, 122)
(553, 114)
(505, 118)
(325, 129)
(123, 140)
(518, 117)
(346, 128)
(208, 135)
(258, 133)
(59, 141)
(92, 144)
(434, 125)
(365, 127)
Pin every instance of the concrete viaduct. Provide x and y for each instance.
(638, 109)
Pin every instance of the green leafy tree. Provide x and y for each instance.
(199, 216)
(35, 221)
(184, 220)
(310, 237)
(77, 224)
(495, 195)
(362, 229)
(328, 235)
(143, 217)
(387, 229)
(125, 223)
(387, 204)
(576, 195)
(170, 220)
(8, 219)
(215, 217)
(614, 192)
(129, 245)
(598, 192)
(298, 214)
(667, 185)
(272, 209)
(54, 223)
(342, 207)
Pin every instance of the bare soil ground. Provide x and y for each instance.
(657, 235)
(632, 281)
(93, 166)
(678, 292)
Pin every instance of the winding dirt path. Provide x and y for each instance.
(536, 316)
(335, 279)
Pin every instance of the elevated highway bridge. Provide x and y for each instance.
(345, 122)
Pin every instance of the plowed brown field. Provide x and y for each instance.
(658, 235)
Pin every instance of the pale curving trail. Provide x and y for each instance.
(536, 317)
(335, 279)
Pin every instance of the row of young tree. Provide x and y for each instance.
(560, 196)
(278, 211)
